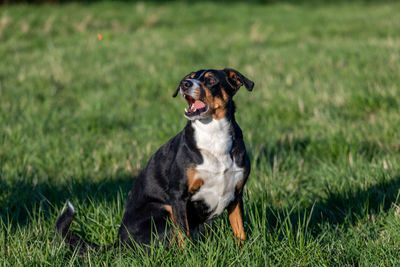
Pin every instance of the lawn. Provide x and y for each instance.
(79, 118)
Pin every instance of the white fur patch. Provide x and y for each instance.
(71, 207)
(218, 170)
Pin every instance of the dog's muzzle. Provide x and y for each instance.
(191, 91)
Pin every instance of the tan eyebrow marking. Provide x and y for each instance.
(208, 74)
(202, 74)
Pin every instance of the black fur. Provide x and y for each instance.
(163, 182)
(62, 227)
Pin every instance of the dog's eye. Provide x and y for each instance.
(210, 81)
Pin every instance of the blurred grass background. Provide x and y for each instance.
(79, 117)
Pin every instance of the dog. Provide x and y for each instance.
(191, 179)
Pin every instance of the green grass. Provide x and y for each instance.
(79, 118)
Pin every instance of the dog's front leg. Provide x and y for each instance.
(235, 213)
(179, 216)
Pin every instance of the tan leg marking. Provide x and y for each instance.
(236, 220)
(181, 241)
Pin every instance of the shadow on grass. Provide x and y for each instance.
(351, 205)
(23, 197)
(337, 207)
(308, 149)
(344, 209)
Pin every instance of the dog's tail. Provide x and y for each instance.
(62, 227)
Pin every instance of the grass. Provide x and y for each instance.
(80, 117)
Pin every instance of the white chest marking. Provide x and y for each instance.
(218, 170)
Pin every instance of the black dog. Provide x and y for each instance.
(192, 178)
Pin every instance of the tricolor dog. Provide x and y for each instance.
(193, 177)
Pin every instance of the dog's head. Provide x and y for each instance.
(209, 92)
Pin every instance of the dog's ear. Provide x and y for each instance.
(176, 92)
(236, 80)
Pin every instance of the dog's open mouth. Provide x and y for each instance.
(196, 107)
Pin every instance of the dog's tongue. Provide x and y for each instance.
(198, 104)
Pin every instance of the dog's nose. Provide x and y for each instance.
(186, 84)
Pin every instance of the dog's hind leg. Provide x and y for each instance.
(147, 226)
